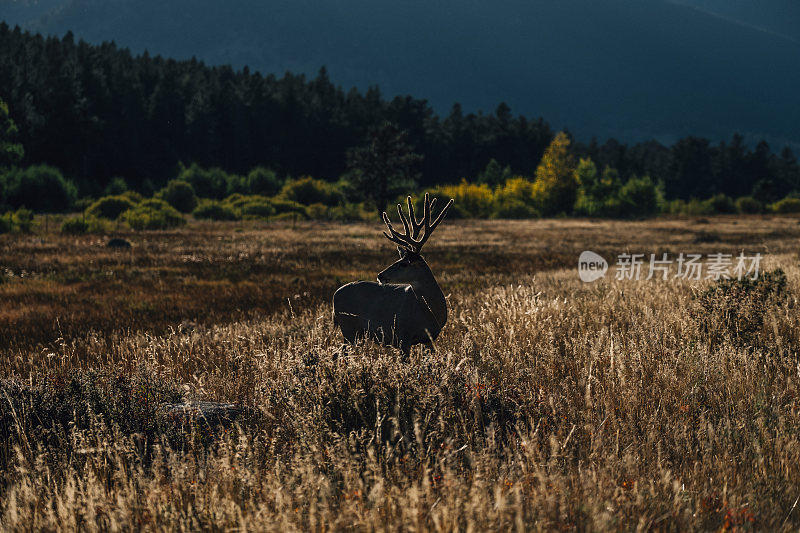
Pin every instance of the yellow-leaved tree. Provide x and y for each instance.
(555, 188)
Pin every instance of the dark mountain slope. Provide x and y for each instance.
(627, 68)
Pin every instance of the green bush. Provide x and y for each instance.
(675, 207)
(214, 210)
(721, 203)
(786, 206)
(75, 226)
(110, 207)
(263, 181)
(318, 212)
(307, 191)
(80, 226)
(98, 225)
(348, 185)
(250, 207)
(350, 211)
(282, 206)
(638, 197)
(40, 188)
(207, 183)
(22, 220)
(153, 214)
(180, 195)
(749, 206)
(6, 225)
(511, 207)
(693, 207)
(133, 196)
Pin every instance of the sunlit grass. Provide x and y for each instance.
(548, 404)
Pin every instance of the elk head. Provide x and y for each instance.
(411, 268)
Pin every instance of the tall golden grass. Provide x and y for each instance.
(549, 404)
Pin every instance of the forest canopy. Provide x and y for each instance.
(98, 113)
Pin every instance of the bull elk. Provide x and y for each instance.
(406, 306)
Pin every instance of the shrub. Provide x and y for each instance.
(6, 225)
(180, 195)
(675, 207)
(307, 191)
(282, 206)
(251, 207)
(115, 187)
(721, 203)
(110, 207)
(83, 225)
(638, 197)
(735, 309)
(350, 211)
(263, 181)
(133, 196)
(786, 206)
(75, 226)
(40, 188)
(153, 214)
(693, 207)
(348, 185)
(589, 206)
(98, 225)
(51, 408)
(22, 220)
(471, 200)
(207, 183)
(510, 207)
(518, 188)
(318, 212)
(214, 210)
(749, 205)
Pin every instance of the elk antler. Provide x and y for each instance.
(411, 240)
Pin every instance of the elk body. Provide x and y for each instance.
(406, 306)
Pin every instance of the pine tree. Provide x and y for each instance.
(385, 166)
(556, 186)
(494, 174)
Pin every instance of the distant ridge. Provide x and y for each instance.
(631, 69)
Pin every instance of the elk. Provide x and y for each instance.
(406, 306)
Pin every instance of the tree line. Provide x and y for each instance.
(97, 112)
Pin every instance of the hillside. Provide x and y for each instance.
(619, 68)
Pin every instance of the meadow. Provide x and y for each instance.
(549, 403)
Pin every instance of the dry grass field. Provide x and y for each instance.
(549, 404)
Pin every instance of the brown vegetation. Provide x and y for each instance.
(549, 403)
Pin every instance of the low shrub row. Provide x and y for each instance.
(561, 187)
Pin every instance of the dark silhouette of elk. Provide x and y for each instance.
(406, 306)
